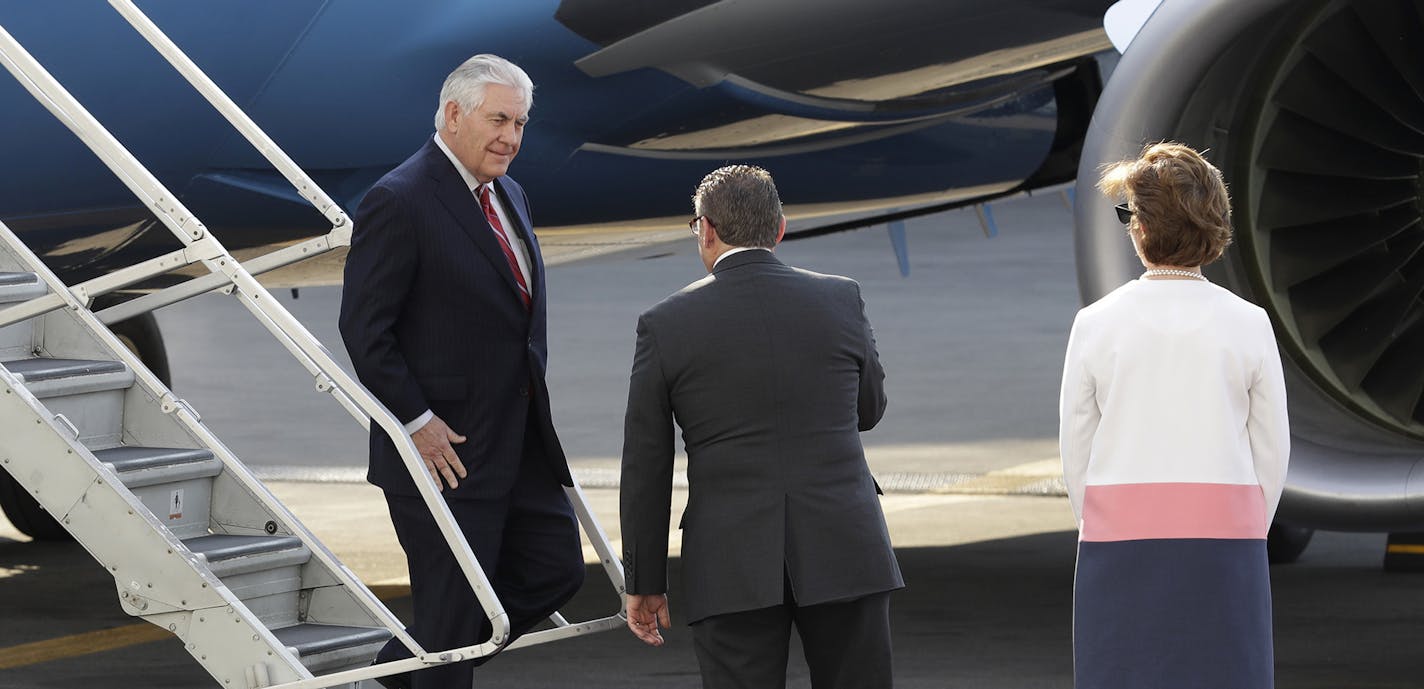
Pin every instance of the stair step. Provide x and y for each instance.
(324, 647)
(230, 555)
(147, 466)
(183, 494)
(174, 483)
(88, 394)
(47, 377)
(20, 287)
(135, 458)
(311, 639)
(264, 572)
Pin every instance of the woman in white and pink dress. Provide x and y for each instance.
(1175, 440)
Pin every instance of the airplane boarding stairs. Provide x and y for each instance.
(195, 543)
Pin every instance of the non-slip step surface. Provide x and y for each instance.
(135, 458)
(8, 279)
(42, 369)
(17, 287)
(218, 547)
(313, 639)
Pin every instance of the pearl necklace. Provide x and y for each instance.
(1179, 273)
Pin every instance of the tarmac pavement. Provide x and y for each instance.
(988, 605)
(972, 343)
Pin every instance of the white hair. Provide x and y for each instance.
(466, 85)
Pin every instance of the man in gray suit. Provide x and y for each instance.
(771, 372)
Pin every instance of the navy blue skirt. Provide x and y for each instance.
(1172, 614)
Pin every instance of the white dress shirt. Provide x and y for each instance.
(521, 252)
(738, 250)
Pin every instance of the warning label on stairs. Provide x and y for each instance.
(175, 505)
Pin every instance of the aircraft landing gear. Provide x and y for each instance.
(1285, 543)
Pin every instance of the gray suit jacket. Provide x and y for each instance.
(771, 372)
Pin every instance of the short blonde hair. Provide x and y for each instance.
(1180, 205)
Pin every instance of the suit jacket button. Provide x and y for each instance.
(524, 391)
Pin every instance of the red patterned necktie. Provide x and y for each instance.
(503, 238)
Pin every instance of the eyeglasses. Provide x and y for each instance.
(1124, 214)
(695, 225)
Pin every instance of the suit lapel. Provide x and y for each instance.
(450, 189)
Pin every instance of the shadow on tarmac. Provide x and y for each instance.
(993, 614)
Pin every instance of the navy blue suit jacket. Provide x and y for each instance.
(432, 318)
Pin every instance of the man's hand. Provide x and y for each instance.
(434, 440)
(646, 614)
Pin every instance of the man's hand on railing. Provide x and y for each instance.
(434, 441)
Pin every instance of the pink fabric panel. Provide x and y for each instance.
(1135, 511)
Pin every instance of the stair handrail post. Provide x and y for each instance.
(235, 115)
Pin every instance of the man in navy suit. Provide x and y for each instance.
(443, 313)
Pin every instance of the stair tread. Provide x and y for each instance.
(8, 279)
(35, 370)
(17, 287)
(134, 458)
(218, 547)
(312, 639)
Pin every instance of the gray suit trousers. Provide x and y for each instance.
(846, 643)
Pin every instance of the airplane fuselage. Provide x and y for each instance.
(854, 107)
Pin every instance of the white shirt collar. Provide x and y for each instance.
(521, 253)
(738, 250)
(470, 180)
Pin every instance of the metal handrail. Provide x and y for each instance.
(340, 235)
(316, 246)
(294, 336)
(202, 247)
(234, 114)
(190, 420)
(189, 230)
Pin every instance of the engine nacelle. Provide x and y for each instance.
(1314, 111)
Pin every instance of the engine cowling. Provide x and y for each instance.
(1314, 111)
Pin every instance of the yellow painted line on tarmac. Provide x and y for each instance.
(1405, 549)
(80, 644)
(101, 640)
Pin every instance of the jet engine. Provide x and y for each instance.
(1314, 111)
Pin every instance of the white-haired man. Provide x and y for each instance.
(443, 313)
